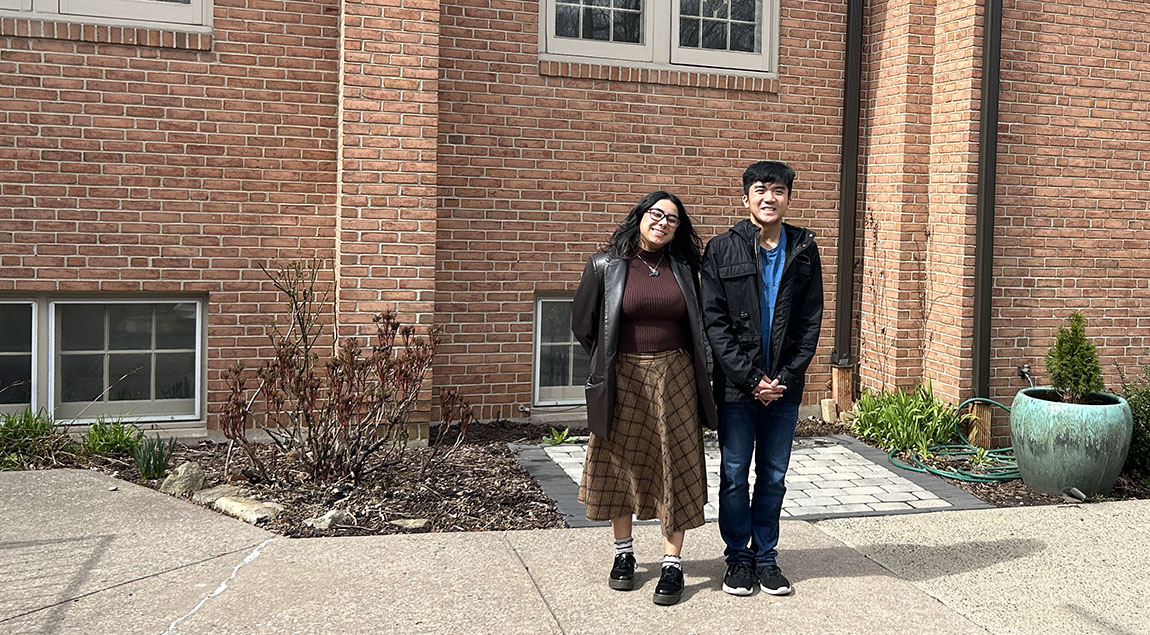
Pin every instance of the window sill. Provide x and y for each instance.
(168, 36)
(709, 78)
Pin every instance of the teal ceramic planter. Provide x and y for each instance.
(1060, 445)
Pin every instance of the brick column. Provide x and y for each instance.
(896, 133)
(388, 118)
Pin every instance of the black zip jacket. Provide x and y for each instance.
(732, 288)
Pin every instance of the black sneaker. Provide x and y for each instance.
(670, 587)
(623, 572)
(772, 580)
(739, 580)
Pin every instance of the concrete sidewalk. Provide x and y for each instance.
(76, 556)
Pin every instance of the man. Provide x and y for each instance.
(762, 309)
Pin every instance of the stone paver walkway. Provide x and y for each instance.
(829, 477)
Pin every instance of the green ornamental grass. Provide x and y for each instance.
(912, 421)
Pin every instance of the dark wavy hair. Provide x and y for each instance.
(686, 246)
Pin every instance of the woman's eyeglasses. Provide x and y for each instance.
(656, 215)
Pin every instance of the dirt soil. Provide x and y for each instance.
(479, 487)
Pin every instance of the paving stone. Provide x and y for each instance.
(855, 499)
(929, 504)
(892, 497)
(890, 507)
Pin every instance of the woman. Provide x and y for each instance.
(637, 314)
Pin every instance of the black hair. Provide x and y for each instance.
(768, 172)
(686, 246)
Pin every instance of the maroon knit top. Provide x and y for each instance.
(654, 312)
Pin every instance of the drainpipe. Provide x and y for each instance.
(842, 363)
(984, 215)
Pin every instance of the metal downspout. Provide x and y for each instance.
(841, 355)
(984, 223)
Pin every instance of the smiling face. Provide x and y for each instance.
(656, 234)
(768, 203)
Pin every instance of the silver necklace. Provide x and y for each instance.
(651, 271)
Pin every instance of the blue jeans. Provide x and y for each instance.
(750, 524)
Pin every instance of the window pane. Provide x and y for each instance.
(597, 3)
(554, 362)
(81, 327)
(631, 5)
(626, 27)
(176, 325)
(175, 375)
(744, 10)
(15, 379)
(566, 21)
(596, 24)
(689, 7)
(15, 328)
(743, 37)
(131, 377)
(689, 32)
(177, 1)
(715, 9)
(81, 377)
(580, 365)
(555, 322)
(714, 34)
(130, 327)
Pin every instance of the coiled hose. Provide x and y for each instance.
(997, 465)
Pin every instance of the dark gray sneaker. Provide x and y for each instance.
(670, 587)
(739, 579)
(622, 576)
(772, 580)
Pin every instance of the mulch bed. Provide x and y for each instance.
(478, 487)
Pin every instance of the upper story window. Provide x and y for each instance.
(193, 15)
(719, 34)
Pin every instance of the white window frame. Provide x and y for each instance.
(49, 353)
(661, 49)
(578, 397)
(194, 17)
(34, 399)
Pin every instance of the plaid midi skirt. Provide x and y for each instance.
(652, 464)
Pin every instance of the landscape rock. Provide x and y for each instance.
(333, 517)
(247, 509)
(414, 525)
(210, 495)
(188, 477)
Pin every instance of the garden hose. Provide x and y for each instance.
(998, 465)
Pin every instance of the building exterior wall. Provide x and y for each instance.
(440, 168)
(539, 161)
(1073, 186)
(174, 169)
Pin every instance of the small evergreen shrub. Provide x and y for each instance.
(152, 456)
(111, 437)
(911, 421)
(1072, 362)
(1137, 394)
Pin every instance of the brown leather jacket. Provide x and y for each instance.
(595, 320)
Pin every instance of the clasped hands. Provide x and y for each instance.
(768, 391)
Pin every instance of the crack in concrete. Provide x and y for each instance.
(115, 586)
(223, 585)
(554, 617)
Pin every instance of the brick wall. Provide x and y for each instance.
(130, 169)
(538, 162)
(1073, 185)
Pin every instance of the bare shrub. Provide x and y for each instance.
(336, 418)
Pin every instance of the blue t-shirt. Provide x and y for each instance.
(771, 261)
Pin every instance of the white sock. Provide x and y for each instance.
(625, 545)
(672, 561)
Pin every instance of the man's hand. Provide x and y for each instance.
(768, 391)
